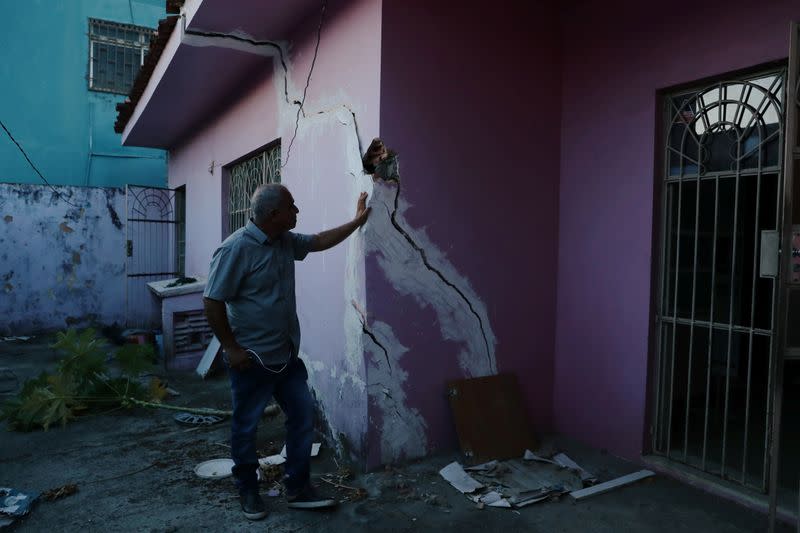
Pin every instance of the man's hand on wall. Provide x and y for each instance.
(362, 211)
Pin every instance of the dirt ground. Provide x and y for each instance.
(134, 472)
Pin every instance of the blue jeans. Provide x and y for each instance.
(251, 391)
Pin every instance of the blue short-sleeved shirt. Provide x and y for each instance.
(254, 276)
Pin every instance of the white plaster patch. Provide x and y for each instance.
(406, 270)
(462, 317)
(403, 430)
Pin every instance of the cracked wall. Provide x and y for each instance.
(323, 171)
(58, 268)
(476, 125)
(418, 296)
(420, 277)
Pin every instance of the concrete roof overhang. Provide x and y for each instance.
(196, 75)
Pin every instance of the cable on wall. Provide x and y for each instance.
(28, 159)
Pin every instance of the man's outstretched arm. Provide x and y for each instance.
(332, 237)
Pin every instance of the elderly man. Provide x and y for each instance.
(250, 305)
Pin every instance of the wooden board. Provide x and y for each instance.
(600, 488)
(490, 418)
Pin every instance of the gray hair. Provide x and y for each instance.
(266, 198)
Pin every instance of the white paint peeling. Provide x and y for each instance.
(409, 275)
(403, 430)
(462, 317)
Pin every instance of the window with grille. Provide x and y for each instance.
(116, 52)
(261, 167)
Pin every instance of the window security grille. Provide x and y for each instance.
(245, 176)
(116, 52)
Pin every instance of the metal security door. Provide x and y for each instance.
(721, 212)
(153, 249)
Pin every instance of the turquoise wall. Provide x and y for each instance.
(66, 129)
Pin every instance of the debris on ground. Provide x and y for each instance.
(190, 419)
(280, 458)
(337, 480)
(563, 460)
(455, 475)
(516, 483)
(60, 492)
(14, 504)
(214, 469)
(270, 473)
(15, 338)
(611, 485)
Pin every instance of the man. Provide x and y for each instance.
(250, 304)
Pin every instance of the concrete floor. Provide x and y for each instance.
(134, 470)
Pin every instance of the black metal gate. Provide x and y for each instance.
(721, 218)
(154, 232)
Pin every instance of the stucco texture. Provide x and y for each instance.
(60, 266)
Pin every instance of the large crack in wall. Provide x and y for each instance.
(409, 261)
(424, 256)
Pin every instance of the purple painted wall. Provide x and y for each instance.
(470, 98)
(616, 56)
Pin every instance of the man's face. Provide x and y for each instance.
(285, 217)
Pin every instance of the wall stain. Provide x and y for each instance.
(111, 211)
(8, 218)
(76, 258)
(74, 214)
(8, 287)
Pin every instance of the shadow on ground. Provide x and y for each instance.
(134, 471)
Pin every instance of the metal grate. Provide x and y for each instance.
(153, 226)
(191, 332)
(722, 188)
(116, 52)
(245, 177)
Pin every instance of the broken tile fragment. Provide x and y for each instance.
(458, 478)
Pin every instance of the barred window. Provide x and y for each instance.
(116, 52)
(245, 176)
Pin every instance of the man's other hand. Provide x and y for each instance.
(238, 358)
(362, 211)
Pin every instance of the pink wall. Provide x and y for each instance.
(470, 98)
(616, 56)
(318, 172)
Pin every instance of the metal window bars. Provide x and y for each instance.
(245, 177)
(116, 52)
(715, 314)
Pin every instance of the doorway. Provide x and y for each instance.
(717, 291)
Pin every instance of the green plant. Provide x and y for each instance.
(81, 383)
